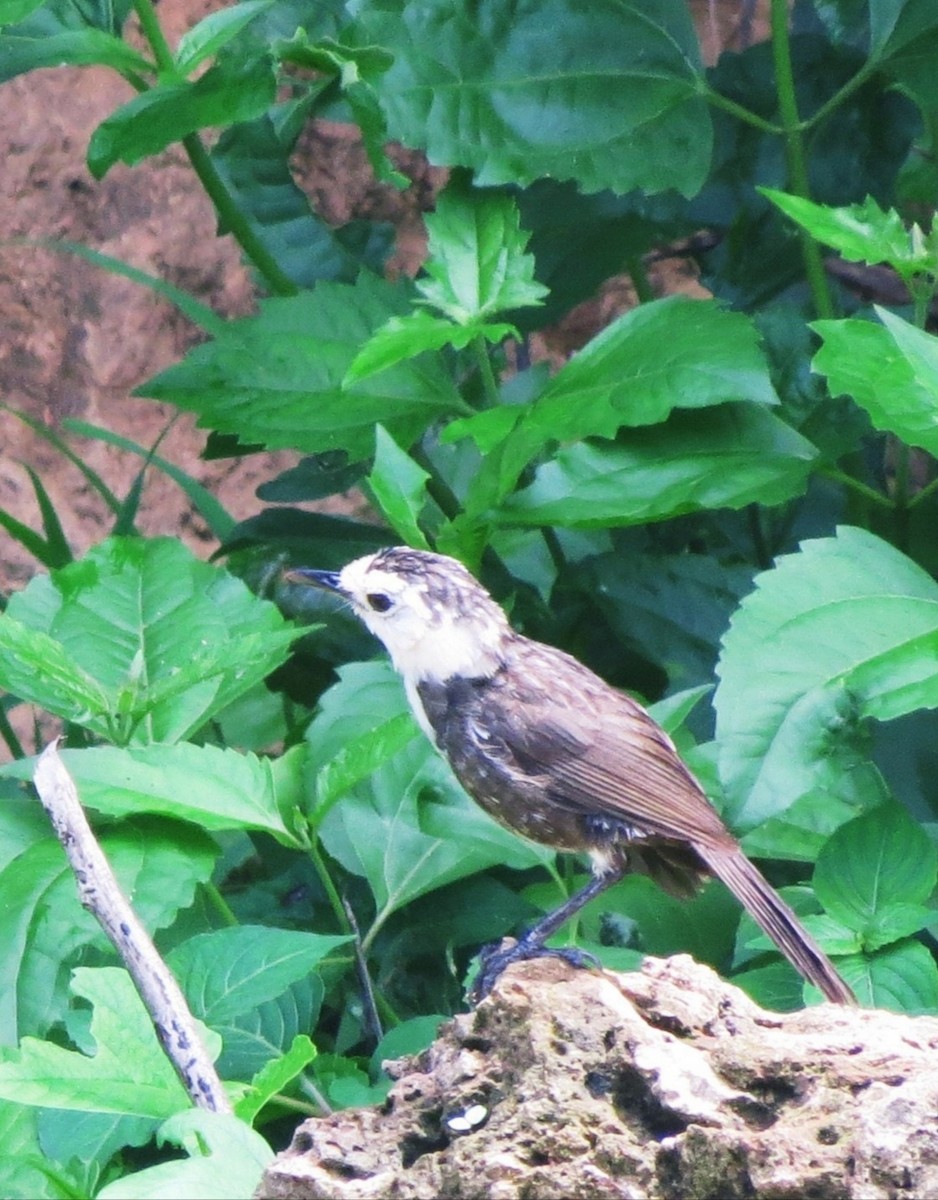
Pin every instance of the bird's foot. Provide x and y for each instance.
(493, 959)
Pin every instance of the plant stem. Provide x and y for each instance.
(332, 894)
(795, 152)
(484, 363)
(230, 215)
(718, 100)
(219, 903)
(856, 485)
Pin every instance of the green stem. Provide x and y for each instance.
(219, 903)
(484, 363)
(332, 894)
(855, 485)
(233, 219)
(718, 100)
(230, 215)
(928, 490)
(795, 152)
(842, 94)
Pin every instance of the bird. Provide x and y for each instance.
(550, 750)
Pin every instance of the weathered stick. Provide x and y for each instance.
(100, 894)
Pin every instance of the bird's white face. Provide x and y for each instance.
(432, 616)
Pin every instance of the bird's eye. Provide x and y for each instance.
(378, 601)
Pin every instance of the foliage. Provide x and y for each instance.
(739, 490)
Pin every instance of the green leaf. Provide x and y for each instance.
(43, 927)
(128, 1073)
(236, 791)
(232, 91)
(875, 871)
(229, 971)
(412, 1036)
(845, 629)
(891, 370)
(477, 265)
(903, 977)
(417, 333)
(37, 668)
(277, 378)
(21, 1174)
(409, 828)
(359, 758)
(859, 232)
(139, 640)
(727, 457)
(73, 48)
(253, 158)
(274, 1077)
(14, 11)
(607, 94)
(226, 1161)
(399, 487)
(214, 31)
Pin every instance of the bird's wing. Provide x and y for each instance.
(603, 754)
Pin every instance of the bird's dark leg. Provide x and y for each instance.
(493, 960)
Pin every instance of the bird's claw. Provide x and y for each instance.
(493, 959)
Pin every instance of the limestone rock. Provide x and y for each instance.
(667, 1084)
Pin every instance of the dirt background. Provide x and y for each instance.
(75, 340)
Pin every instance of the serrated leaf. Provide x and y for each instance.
(277, 378)
(406, 337)
(845, 629)
(38, 669)
(206, 38)
(477, 265)
(607, 94)
(727, 457)
(229, 92)
(891, 370)
(235, 791)
(874, 863)
(399, 487)
(43, 926)
(128, 1073)
(359, 758)
(226, 1161)
(73, 48)
(139, 640)
(859, 232)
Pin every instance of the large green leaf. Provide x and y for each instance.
(725, 457)
(42, 924)
(232, 90)
(844, 630)
(891, 370)
(235, 791)
(226, 1158)
(875, 874)
(276, 378)
(606, 94)
(669, 354)
(78, 48)
(139, 640)
(128, 1073)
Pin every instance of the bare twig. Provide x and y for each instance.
(99, 892)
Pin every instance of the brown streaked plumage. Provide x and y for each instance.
(553, 752)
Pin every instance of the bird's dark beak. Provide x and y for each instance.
(327, 580)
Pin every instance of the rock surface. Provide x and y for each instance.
(667, 1083)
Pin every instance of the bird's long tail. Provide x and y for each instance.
(774, 916)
